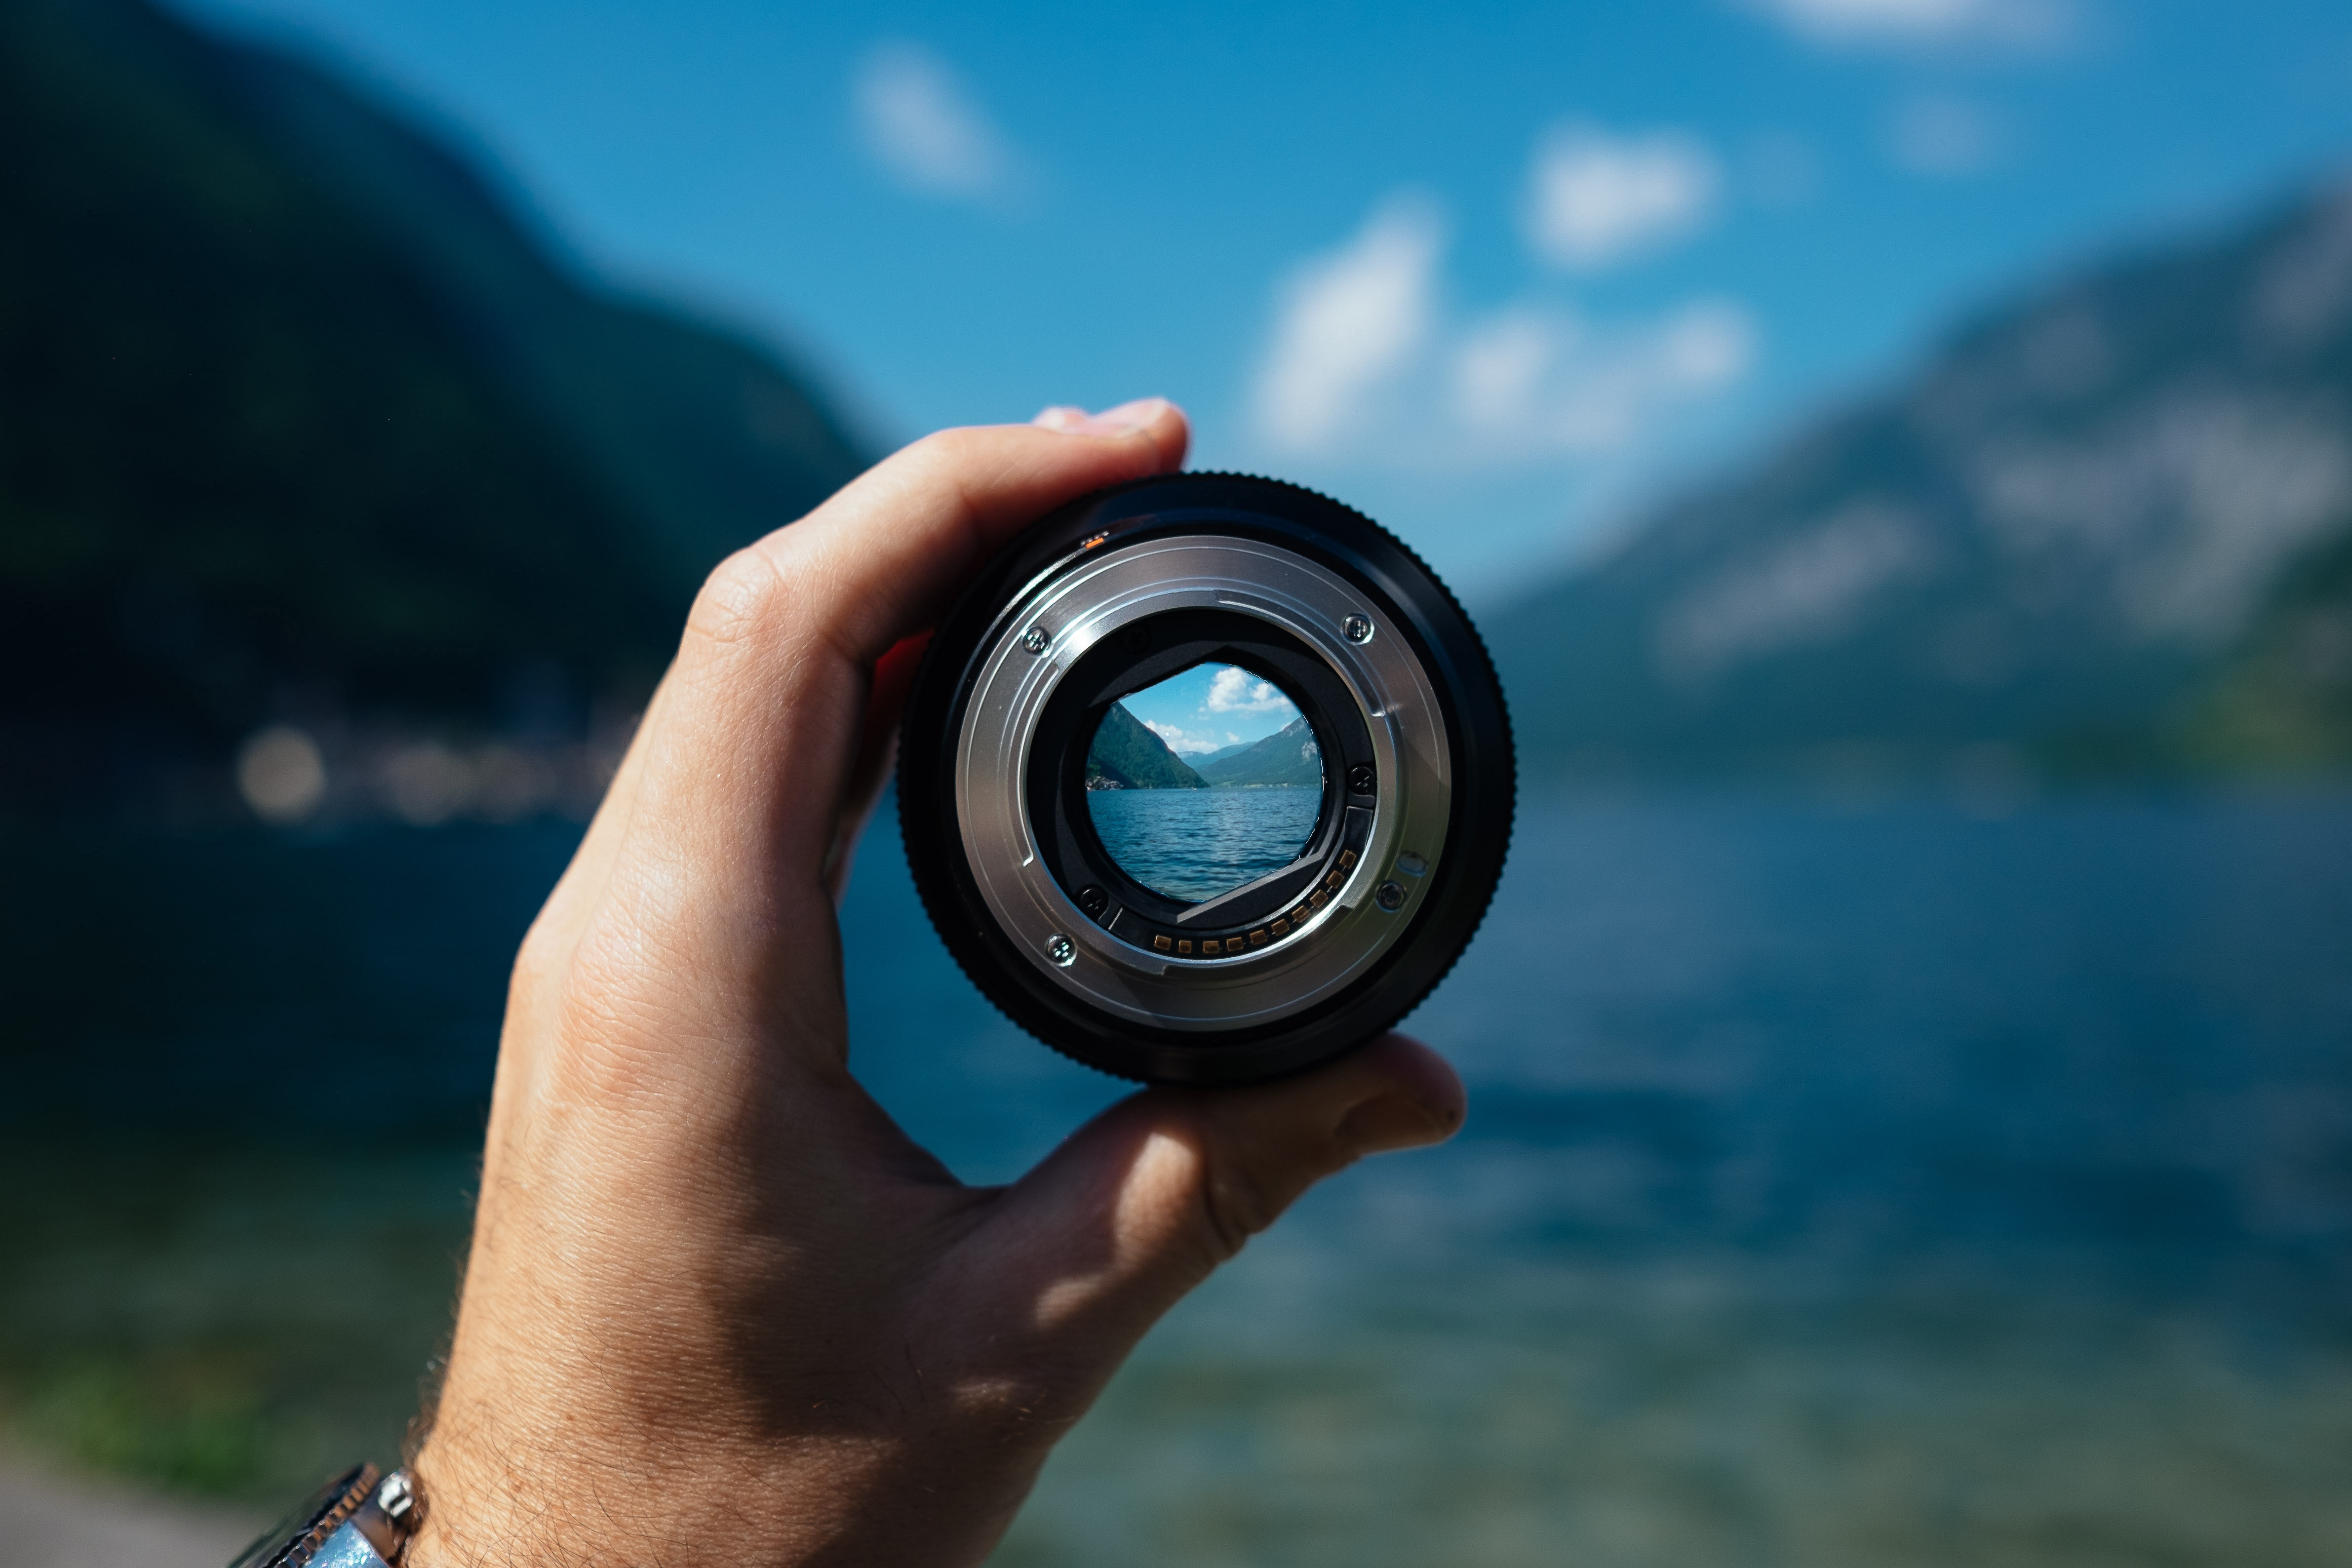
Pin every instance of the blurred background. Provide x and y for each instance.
(1900, 452)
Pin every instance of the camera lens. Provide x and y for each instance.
(1205, 779)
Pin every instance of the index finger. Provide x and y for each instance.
(874, 563)
(750, 741)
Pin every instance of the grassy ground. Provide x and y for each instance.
(223, 1322)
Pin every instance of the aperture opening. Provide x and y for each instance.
(1204, 782)
(1133, 659)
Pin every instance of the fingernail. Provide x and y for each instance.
(1133, 415)
(1395, 1120)
(1119, 421)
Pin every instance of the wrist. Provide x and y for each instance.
(589, 1493)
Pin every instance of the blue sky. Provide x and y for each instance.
(1498, 275)
(1210, 706)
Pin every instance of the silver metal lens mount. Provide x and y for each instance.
(1336, 931)
(1130, 587)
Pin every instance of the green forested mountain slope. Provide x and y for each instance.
(1287, 757)
(2283, 700)
(1125, 756)
(293, 411)
(2094, 530)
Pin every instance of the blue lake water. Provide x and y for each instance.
(1194, 844)
(1838, 1187)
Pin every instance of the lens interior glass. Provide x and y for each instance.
(1204, 783)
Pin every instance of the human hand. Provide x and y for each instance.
(718, 1307)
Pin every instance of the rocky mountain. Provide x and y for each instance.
(1287, 757)
(296, 414)
(2105, 527)
(1124, 754)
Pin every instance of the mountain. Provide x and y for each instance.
(1125, 756)
(1289, 756)
(2103, 529)
(2284, 699)
(294, 411)
(1222, 753)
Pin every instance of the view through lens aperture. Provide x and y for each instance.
(1204, 782)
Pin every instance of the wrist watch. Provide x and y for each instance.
(356, 1520)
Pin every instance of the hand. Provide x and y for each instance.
(719, 1309)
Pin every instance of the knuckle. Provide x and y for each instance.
(1236, 1203)
(546, 941)
(949, 466)
(1006, 1411)
(739, 601)
(538, 963)
(1240, 1195)
(951, 449)
(608, 1032)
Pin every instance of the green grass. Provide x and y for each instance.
(226, 1323)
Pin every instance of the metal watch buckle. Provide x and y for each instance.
(382, 1513)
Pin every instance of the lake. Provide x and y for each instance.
(1839, 1187)
(1194, 844)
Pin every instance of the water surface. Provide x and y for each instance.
(1838, 1189)
(1195, 844)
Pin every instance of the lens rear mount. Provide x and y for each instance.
(1248, 919)
(1100, 601)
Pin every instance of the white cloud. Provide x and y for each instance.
(1532, 383)
(1920, 23)
(1595, 199)
(1500, 364)
(1364, 364)
(1346, 322)
(921, 124)
(1943, 136)
(1187, 742)
(1234, 691)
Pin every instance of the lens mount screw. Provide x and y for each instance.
(1358, 628)
(1036, 639)
(1093, 901)
(1391, 896)
(1135, 639)
(1062, 950)
(1361, 779)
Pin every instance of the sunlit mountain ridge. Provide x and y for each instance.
(2105, 530)
(1288, 758)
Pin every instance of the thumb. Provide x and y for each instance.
(1143, 1203)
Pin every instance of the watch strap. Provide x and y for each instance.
(353, 1521)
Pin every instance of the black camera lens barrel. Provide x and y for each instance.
(1114, 593)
